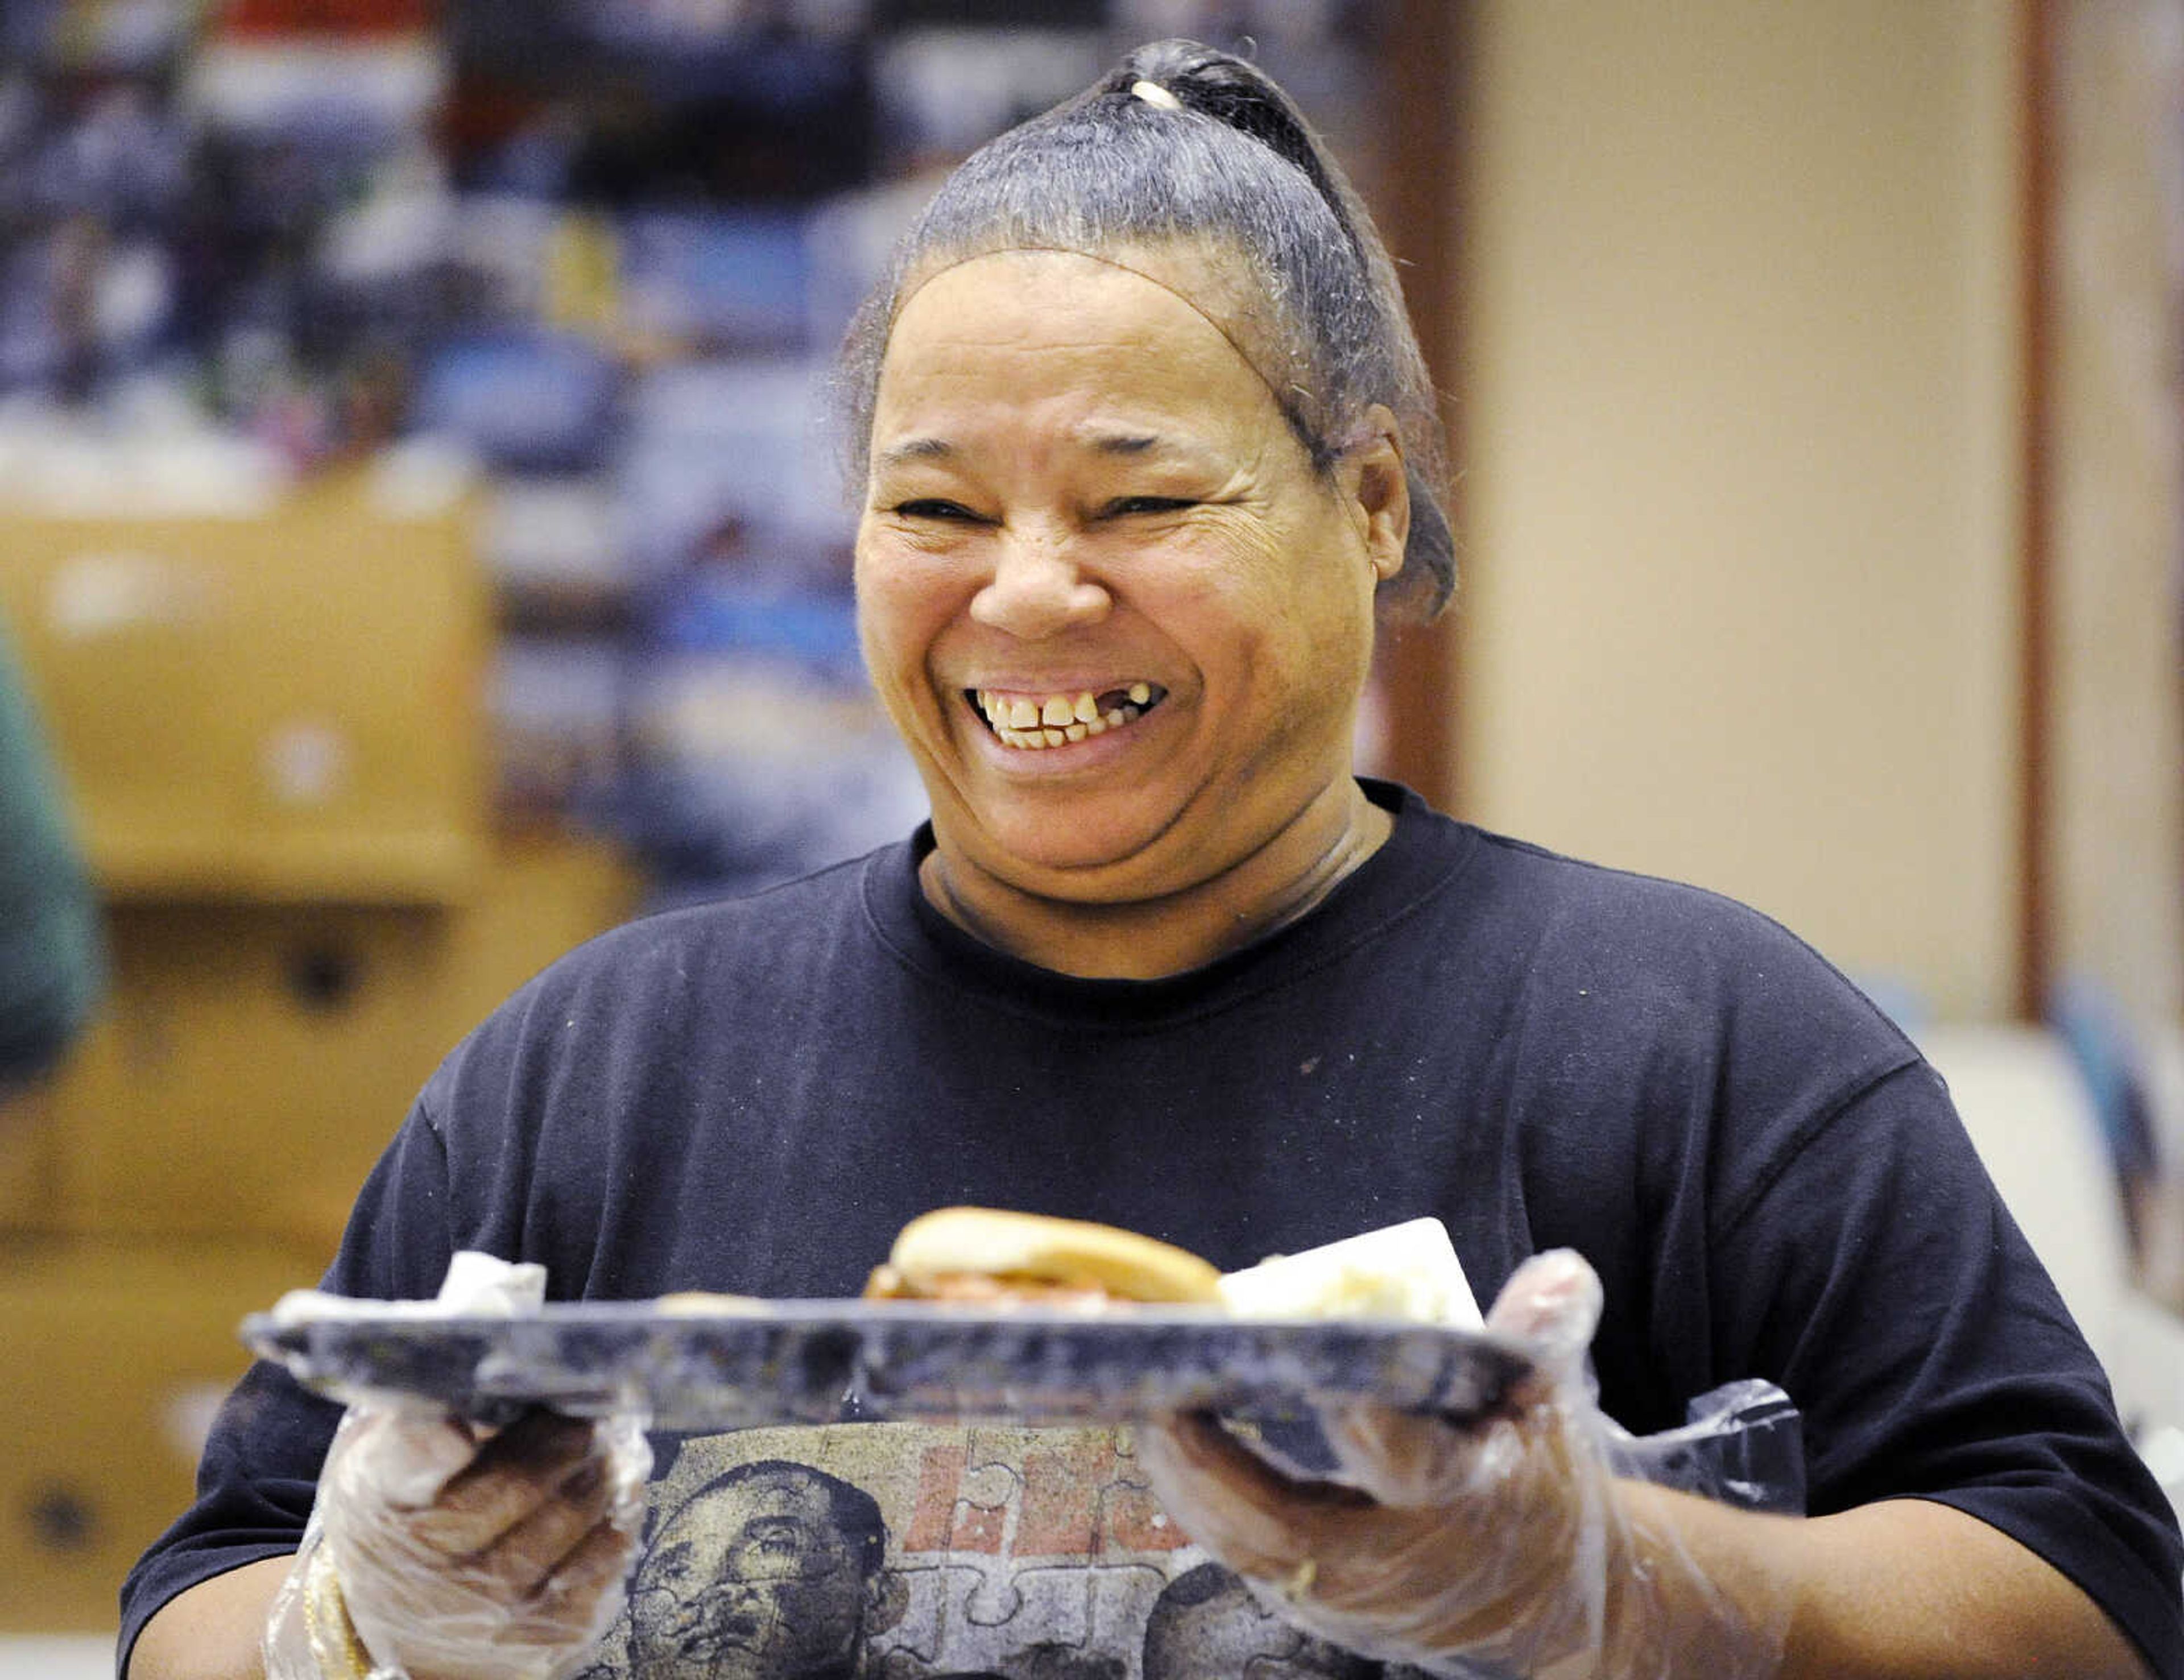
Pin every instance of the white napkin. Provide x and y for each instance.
(477, 1286)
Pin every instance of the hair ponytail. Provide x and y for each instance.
(1238, 95)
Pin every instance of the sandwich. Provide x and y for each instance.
(991, 1257)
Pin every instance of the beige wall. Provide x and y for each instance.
(1741, 462)
(2116, 740)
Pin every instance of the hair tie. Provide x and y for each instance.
(1154, 94)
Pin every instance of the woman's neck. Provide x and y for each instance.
(1145, 939)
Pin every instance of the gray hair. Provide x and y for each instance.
(1184, 145)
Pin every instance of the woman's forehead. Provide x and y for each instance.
(1056, 330)
(1183, 288)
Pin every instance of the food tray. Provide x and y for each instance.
(818, 1361)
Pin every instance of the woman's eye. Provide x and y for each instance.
(1126, 505)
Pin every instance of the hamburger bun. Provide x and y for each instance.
(988, 1254)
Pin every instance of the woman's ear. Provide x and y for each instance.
(1379, 491)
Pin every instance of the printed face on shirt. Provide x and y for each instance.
(1085, 507)
(769, 1572)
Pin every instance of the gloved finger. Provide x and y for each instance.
(1410, 1458)
(1553, 1300)
(1257, 1520)
(400, 1456)
(541, 1440)
(581, 1593)
(535, 1546)
(518, 1472)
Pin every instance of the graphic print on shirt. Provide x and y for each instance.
(907, 1552)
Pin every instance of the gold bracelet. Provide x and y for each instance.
(335, 1645)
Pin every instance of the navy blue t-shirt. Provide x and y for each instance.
(752, 1096)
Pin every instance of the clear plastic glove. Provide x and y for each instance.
(441, 1552)
(1505, 1546)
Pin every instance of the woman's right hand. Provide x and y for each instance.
(458, 1556)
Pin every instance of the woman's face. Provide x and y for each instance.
(1084, 509)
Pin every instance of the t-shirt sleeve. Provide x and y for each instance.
(1931, 1354)
(258, 1474)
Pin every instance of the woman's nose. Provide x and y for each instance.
(1036, 589)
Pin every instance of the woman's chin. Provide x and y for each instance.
(1088, 857)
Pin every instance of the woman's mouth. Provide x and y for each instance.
(1034, 722)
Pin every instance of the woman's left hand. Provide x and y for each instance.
(1503, 1542)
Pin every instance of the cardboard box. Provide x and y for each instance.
(280, 708)
(543, 893)
(111, 1360)
(249, 1067)
(251, 1062)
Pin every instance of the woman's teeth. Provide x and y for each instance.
(1054, 720)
